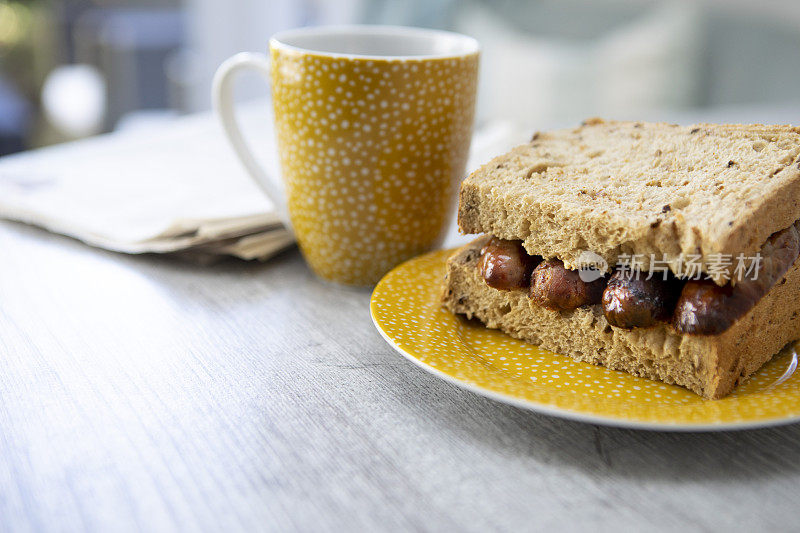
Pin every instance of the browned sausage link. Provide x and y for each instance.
(633, 301)
(708, 309)
(505, 264)
(560, 289)
(705, 308)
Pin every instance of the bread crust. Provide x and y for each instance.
(711, 366)
(639, 188)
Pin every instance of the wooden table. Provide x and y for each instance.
(144, 393)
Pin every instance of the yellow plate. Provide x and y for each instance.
(406, 311)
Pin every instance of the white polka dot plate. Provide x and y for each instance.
(405, 308)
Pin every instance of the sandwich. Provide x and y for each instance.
(665, 251)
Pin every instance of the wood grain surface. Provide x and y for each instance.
(150, 394)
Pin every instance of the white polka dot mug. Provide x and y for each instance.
(373, 127)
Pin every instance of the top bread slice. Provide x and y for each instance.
(681, 193)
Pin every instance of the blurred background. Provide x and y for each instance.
(75, 68)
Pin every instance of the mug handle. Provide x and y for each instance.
(222, 97)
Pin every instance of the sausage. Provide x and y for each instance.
(505, 264)
(705, 308)
(636, 302)
(560, 289)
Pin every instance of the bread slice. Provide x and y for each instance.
(709, 365)
(637, 188)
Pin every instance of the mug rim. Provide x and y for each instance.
(470, 44)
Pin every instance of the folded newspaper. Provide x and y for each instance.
(177, 188)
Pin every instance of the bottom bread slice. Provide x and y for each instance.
(711, 366)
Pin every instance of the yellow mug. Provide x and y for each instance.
(373, 129)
